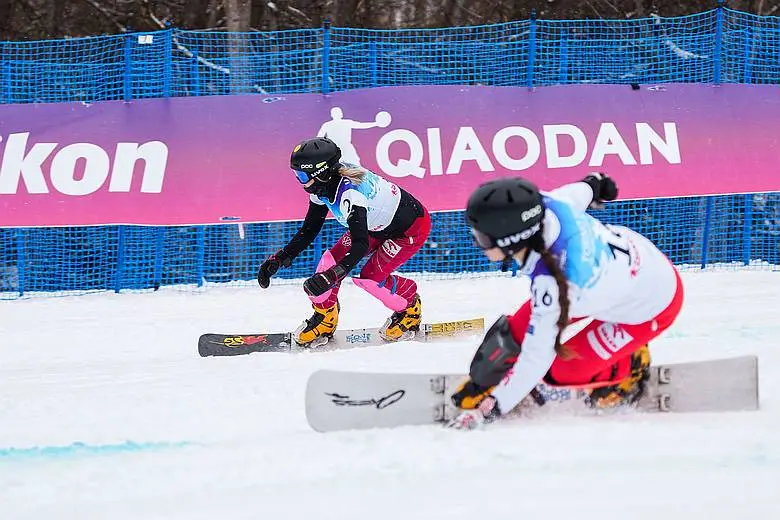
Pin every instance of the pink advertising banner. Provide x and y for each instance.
(222, 159)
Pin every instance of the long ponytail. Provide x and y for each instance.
(355, 174)
(551, 263)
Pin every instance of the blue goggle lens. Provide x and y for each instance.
(302, 176)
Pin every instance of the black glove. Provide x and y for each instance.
(279, 259)
(321, 282)
(604, 188)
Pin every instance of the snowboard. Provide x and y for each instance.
(241, 344)
(337, 400)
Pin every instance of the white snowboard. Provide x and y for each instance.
(337, 400)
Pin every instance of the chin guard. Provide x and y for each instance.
(323, 183)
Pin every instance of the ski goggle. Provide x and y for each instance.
(507, 244)
(481, 240)
(302, 176)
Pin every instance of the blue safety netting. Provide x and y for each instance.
(720, 45)
(722, 231)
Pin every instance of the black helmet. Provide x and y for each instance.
(505, 213)
(315, 159)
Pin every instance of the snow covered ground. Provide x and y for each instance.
(167, 434)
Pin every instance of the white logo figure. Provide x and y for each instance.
(391, 248)
(339, 130)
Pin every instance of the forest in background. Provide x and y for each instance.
(44, 19)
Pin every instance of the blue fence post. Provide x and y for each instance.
(718, 41)
(317, 251)
(201, 249)
(563, 77)
(159, 257)
(326, 56)
(168, 63)
(21, 261)
(6, 81)
(120, 260)
(195, 74)
(372, 63)
(706, 234)
(5, 78)
(747, 229)
(128, 67)
(531, 50)
(748, 51)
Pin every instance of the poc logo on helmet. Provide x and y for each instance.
(519, 237)
(531, 213)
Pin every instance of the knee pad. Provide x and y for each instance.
(326, 262)
(495, 356)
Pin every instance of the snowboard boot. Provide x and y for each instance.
(318, 329)
(404, 324)
(628, 391)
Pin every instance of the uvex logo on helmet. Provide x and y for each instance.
(531, 213)
(519, 237)
(321, 167)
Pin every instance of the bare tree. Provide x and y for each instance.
(30, 19)
(6, 19)
(197, 14)
(238, 14)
